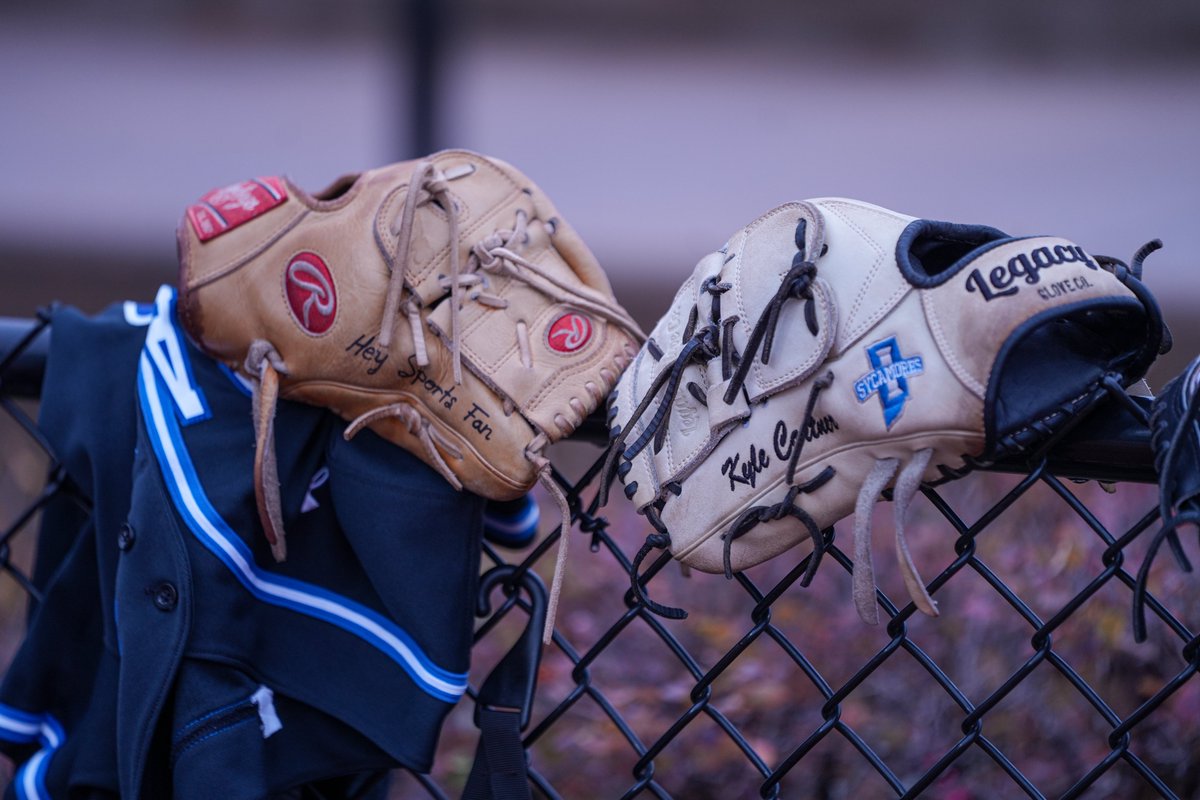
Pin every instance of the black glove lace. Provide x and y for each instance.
(1173, 515)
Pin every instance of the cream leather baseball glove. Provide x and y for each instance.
(833, 349)
(444, 303)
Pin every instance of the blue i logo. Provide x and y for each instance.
(888, 377)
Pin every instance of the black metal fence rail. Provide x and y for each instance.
(1029, 684)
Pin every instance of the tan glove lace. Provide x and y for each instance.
(429, 436)
(265, 365)
(427, 183)
(546, 479)
(496, 254)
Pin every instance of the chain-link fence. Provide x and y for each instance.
(1028, 684)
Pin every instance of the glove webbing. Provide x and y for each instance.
(698, 345)
(1172, 518)
(716, 339)
(426, 178)
(797, 283)
(493, 254)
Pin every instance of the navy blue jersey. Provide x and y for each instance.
(511, 523)
(64, 676)
(202, 668)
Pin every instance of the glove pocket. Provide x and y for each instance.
(463, 431)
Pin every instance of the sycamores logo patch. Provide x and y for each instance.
(889, 375)
(311, 296)
(569, 333)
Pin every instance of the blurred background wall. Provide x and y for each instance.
(658, 127)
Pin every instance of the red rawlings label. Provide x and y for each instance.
(224, 209)
(569, 333)
(308, 285)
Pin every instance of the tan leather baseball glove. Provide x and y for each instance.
(444, 303)
(833, 349)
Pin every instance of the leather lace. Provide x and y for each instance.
(264, 363)
(427, 183)
(796, 284)
(498, 253)
(1174, 514)
(1168, 456)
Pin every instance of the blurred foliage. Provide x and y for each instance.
(1040, 548)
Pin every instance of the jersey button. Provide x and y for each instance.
(165, 595)
(126, 537)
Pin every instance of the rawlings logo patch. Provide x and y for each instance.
(222, 210)
(308, 286)
(888, 377)
(569, 333)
